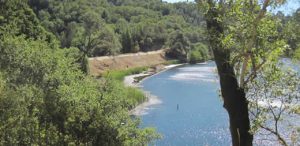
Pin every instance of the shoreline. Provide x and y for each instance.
(130, 81)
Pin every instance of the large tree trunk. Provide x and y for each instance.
(234, 98)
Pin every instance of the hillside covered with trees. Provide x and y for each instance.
(100, 27)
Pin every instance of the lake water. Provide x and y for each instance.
(190, 110)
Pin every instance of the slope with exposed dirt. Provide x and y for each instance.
(99, 65)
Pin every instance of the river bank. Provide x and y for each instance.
(134, 80)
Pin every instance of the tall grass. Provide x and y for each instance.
(133, 96)
(174, 61)
(120, 74)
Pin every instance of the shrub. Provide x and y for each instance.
(198, 53)
(195, 56)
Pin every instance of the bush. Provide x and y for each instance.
(199, 53)
(195, 56)
(179, 46)
(297, 54)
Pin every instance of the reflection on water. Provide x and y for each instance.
(191, 111)
(195, 73)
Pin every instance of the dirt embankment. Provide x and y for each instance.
(99, 65)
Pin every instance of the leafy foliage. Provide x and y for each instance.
(100, 27)
(254, 40)
(297, 54)
(290, 31)
(273, 97)
(179, 46)
(17, 18)
(46, 100)
(199, 53)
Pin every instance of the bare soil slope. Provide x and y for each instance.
(98, 65)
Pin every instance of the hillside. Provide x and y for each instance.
(99, 65)
(112, 27)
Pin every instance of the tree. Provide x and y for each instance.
(293, 28)
(105, 15)
(94, 38)
(92, 26)
(239, 32)
(198, 53)
(195, 56)
(17, 18)
(179, 46)
(273, 98)
(127, 42)
(108, 43)
(291, 35)
(297, 54)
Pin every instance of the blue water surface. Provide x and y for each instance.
(191, 112)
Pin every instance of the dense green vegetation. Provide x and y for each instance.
(46, 100)
(109, 27)
(133, 95)
(199, 53)
(289, 30)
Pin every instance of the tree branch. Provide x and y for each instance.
(252, 40)
(253, 74)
